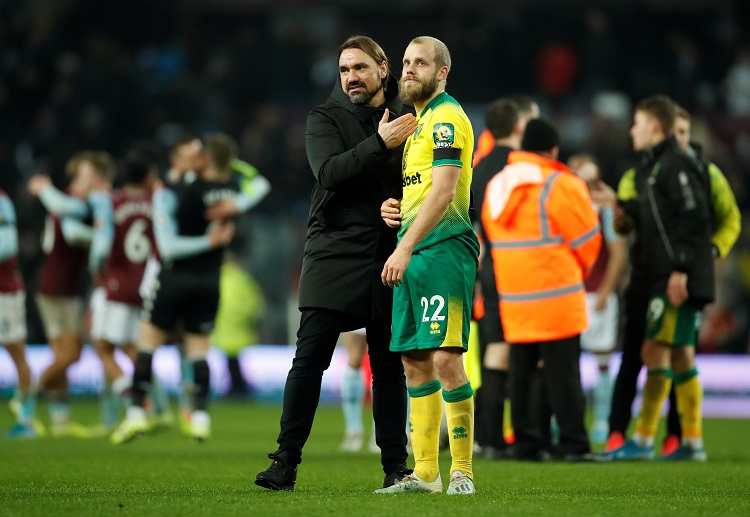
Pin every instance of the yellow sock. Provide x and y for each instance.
(459, 413)
(655, 391)
(689, 395)
(425, 413)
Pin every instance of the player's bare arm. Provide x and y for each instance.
(38, 183)
(444, 182)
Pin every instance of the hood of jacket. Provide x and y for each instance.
(364, 112)
(523, 169)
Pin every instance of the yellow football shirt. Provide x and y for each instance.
(444, 136)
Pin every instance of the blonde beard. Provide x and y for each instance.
(420, 92)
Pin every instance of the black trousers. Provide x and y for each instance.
(316, 340)
(636, 300)
(563, 379)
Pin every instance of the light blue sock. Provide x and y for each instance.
(109, 404)
(185, 393)
(352, 393)
(602, 397)
(27, 411)
(59, 412)
(159, 395)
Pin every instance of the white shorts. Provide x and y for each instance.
(114, 322)
(601, 336)
(60, 315)
(150, 274)
(12, 317)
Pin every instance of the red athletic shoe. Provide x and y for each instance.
(670, 444)
(615, 441)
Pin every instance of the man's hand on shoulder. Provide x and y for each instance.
(390, 211)
(395, 132)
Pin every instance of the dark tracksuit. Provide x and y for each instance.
(671, 216)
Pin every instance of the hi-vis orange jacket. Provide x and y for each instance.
(544, 235)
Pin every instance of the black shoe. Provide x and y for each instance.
(535, 456)
(585, 457)
(495, 453)
(397, 475)
(279, 476)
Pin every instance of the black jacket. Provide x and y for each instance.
(485, 170)
(672, 217)
(347, 241)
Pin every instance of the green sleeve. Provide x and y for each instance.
(726, 211)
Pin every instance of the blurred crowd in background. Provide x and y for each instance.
(84, 74)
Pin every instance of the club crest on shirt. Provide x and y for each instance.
(443, 134)
(418, 131)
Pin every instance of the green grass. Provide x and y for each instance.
(167, 474)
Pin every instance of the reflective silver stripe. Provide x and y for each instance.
(543, 219)
(541, 295)
(586, 236)
(531, 243)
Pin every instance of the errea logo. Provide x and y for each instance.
(434, 328)
(459, 432)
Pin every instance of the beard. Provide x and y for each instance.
(363, 96)
(417, 91)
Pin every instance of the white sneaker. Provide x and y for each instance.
(414, 483)
(200, 425)
(352, 442)
(460, 484)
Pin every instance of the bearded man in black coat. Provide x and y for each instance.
(354, 144)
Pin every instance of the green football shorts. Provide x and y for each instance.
(672, 325)
(432, 307)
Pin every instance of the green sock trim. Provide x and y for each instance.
(680, 378)
(661, 371)
(461, 393)
(425, 389)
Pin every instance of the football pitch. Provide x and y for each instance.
(168, 474)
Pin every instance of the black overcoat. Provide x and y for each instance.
(347, 241)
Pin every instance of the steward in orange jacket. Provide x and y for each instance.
(544, 234)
